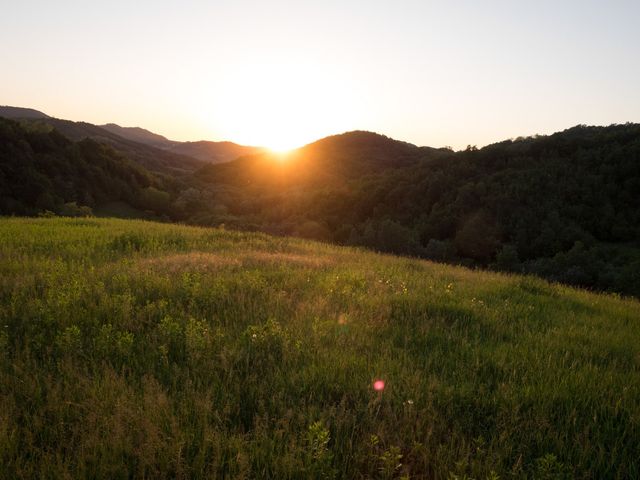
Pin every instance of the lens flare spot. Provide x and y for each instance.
(378, 385)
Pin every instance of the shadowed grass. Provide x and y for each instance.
(137, 349)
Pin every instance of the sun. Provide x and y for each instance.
(281, 155)
(279, 104)
(281, 148)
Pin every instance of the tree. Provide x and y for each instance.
(477, 237)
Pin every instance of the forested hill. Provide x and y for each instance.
(214, 152)
(19, 112)
(325, 163)
(148, 156)
(203, 150)
(154, 152)
(139, 135)
(564, 206)
(43, 171)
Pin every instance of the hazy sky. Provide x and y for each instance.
(283, 73)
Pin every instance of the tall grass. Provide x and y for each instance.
(136, 349)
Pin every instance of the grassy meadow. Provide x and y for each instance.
(132, 349)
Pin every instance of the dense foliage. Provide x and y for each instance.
(564, 206)
(132, 349)
(42, 171)
(157, 160)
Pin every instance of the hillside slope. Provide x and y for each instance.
(150, 149)
(204, 150)
(139, 135)
(323, 164)
(130, 144)
(155, 159)
(132, 349)
(563, 206)
(214, 152)
(41, 170)
(19, 112)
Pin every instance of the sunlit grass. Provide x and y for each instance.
(137, 349)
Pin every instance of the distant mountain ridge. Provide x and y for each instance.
(204, 150)
(214, 152)
(19, 112)
(41, 170)
(150, 157)
(168, 156)
(140, 135)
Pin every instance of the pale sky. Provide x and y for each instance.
(284, 73)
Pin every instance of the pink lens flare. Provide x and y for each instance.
(378, 385)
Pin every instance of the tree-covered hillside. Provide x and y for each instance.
(563, 206)
(325, 163)
(152, 158)
(41, 170)
(136, 144)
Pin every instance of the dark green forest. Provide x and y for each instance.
(563, 206)
(43, 172)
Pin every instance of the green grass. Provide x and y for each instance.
(133, 349)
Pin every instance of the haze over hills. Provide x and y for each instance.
(334, 158)
(204, 150)
(154, 151)
(155, 159)
(214, 152)
(140, 135)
